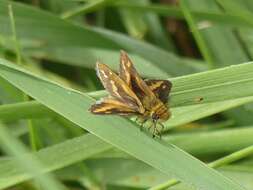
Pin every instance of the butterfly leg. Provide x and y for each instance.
(141, 126)
(160, 131)
(142, 122)
(152, 124)
(155, 132)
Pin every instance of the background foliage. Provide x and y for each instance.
(48, 50)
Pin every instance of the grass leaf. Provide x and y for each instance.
(117, 131)
(89, 41)
(26, 161)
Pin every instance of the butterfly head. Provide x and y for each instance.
(160, 116)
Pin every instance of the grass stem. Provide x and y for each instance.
(32, 134)
(196, 34)
(86, 8)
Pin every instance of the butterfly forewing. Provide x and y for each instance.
(153, 102)
(117, 88)
(129, 74)
(161, 88)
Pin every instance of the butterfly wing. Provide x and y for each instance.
(117, 88)
(129, 74)
(111, 106)
(161, 88)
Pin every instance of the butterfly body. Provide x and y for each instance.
(131, 95)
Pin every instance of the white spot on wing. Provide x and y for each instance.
(114, 88)
(104, 74)
(128, 64)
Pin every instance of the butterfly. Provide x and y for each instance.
(129, 94)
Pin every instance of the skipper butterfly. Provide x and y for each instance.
(129, 94)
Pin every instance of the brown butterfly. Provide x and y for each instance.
(129, 94)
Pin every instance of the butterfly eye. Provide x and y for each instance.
(155, 117)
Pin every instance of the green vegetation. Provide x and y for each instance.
(49, 139)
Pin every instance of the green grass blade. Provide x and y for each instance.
(87, 146)
(217, 163)
(81, 43)
(209, 143)
(25, 161)
(186, 114)
(140, 175)
(236, 9)
(181, 115)
(91, 7)
(32, 131)
(212, 85)
(24, 110)
(217, 38)
(216, 85)
(173, 11)
(196, 33)
(134, 22)
(156, 33)
(74, 106)
(53, 158)
(204, 144)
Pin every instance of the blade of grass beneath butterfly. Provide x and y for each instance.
(87, 146)
(54, 36)
(74, 106)
(181, 115)
(185, 114)
(203, 144)
(138, 174)
(211, 85)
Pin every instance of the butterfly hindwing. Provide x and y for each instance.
(161, 88)
(111, 106)
(117, 88)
